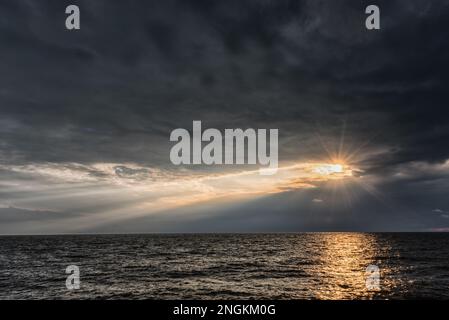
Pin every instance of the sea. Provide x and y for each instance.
(226, 266)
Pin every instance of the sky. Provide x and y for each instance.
(86, 115)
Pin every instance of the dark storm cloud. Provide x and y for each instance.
(113, 91)
(103, 93)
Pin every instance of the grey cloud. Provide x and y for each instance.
(113, 91)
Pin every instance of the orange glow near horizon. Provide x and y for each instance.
(165, 190)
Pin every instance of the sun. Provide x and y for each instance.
(332, 170)
(327, 169)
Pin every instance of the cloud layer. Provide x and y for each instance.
(84, 114)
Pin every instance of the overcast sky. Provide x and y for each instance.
(86, 116)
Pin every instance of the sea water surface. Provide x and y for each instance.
(226, 266)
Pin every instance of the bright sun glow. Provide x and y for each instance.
(327, 169)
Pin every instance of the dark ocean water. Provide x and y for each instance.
(232, 266)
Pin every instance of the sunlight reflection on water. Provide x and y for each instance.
(226, 266)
